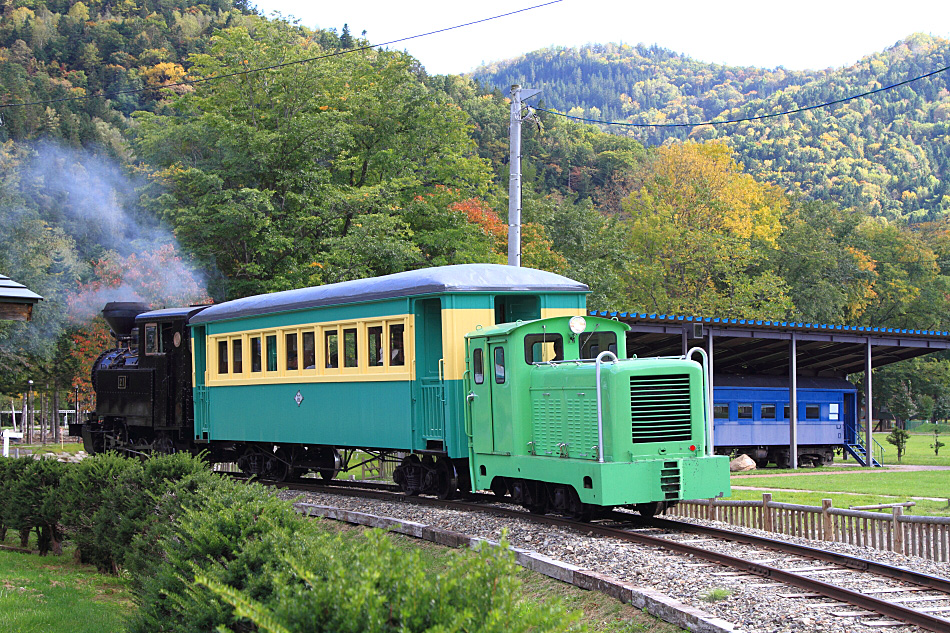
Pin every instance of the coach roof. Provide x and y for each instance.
(426, 281)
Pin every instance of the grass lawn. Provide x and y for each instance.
(53, 594)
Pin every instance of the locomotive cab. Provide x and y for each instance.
(592, 428)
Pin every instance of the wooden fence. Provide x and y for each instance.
(927, 537)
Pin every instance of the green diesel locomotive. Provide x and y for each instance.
(465, 378)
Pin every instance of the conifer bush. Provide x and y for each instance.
(28, 491)
(108, 500)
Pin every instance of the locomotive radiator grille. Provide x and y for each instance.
(660, 408)
(670, 480)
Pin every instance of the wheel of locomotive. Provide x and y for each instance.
(577, 509)
(164, 445)
(499, 486)
(448, 483)
(651, 509)
(536, 497)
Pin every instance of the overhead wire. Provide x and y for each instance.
(192, 82)
(752, 118)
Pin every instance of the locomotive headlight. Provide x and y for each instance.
(577, 324)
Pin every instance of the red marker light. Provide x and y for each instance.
(693, 447)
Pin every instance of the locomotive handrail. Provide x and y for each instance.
(707, 398)
(600, 411)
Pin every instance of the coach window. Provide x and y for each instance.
(222, 357)
(478, 366)
(721, 411)
(309, 350)
(237, 355)
(745, 411)
(271, 342)
(768, 411)
(785, 412)
(541, 348)
(332, 349)
(374, 344)
(500, 365)
(397, 347)
(152, 341)
(596, 342)
(255, 353)
(812, 411)
(350, 356)
(290, 351)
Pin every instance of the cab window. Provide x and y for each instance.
(500, 365)
(152, 340)
(596, 342)
(542, 348)
(478, 366)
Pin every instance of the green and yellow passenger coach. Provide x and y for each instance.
(471, 377)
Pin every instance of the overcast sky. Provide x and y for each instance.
(805, 34)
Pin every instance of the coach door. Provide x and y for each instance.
(429, 397)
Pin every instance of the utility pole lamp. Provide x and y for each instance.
(514, 172)
(29, 412)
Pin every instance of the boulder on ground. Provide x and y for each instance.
(741, 463)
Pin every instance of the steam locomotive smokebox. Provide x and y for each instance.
(120, 315)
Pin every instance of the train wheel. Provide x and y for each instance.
(499, 486)
(164, 445)
(326, 474)
(448, 483)
(536, 497)
(408, 475)
(651, 509)
(278, 466)
(577, 509)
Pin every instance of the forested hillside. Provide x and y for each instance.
(175, 152)
(887, 153)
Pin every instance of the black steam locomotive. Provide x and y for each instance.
(144, 386)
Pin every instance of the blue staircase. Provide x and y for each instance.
(860, 455)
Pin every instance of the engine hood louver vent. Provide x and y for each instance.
(660, 408)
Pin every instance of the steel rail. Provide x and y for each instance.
(852, 562)
(882, 607)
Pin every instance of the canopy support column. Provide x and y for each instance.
(793, 403)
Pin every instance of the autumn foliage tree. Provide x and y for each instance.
(697, 230)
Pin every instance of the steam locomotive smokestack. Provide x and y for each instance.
(120, 315)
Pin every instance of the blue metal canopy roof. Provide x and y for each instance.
(426, 281)
(757, 346)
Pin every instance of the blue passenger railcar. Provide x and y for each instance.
(751, 416)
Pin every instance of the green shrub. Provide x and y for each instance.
(110, 499)
(370, 586)
(230, 532)
(30, 501)
(11, 471)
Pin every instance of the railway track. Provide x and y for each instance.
(851, 588)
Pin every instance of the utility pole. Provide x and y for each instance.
(514, 171)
